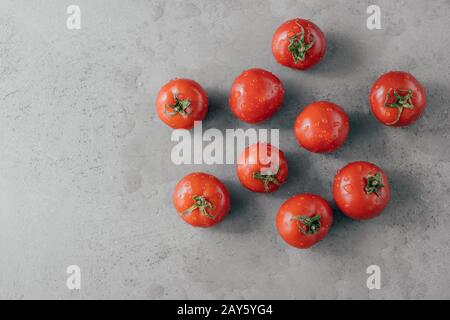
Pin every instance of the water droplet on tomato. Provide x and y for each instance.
(348, 188)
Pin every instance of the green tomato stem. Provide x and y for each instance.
(202, 204)
(401, 102)
(374, 183)
(311, 224)
(297, 45)
(267, 179)
(180, 106)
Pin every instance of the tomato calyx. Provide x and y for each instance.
(180, 106)
(202, 204)
(401, 102)
(267, 178)
(297, 45)
(308, 225)
(374, 183)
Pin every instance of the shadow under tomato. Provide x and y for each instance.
(295, 99)
(406, 208)
(298, 165)
(405, 213)
(341, 238)
(436, 111)
(429, 133)
(343, 56)
(366, 140)
(241, 218)
(219, 113)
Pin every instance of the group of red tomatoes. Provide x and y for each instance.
(360, 189)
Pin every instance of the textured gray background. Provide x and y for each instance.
(85, 170)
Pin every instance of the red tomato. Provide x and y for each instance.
(397, 99)
(304, 220)
(262, 168)
(256, 95)
(298, 44)
(201, 199)
(322, 127)
(361, 190)
(180, 102)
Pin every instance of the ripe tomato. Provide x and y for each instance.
(361, 190)
(397, 99)
(256, 95)
(322, 127)
(180, 102)
(298, 44)
(201, 199)
(304, 220)
(262, 168)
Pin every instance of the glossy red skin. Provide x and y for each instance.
(208, 186)
(280, 44)
(349, 194)
(303, 205)
(254, 159)
(256, 95)
(322, 127)
(186, 89)
(397, 80)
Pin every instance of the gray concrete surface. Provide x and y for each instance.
(86, 177)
